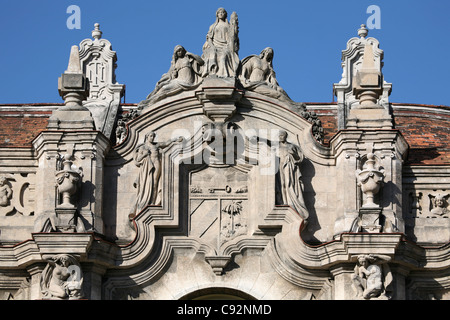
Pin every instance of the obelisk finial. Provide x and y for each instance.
(74, 61)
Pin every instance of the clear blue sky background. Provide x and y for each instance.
(307, 37)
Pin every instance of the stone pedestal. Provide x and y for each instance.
(370, 220)
(66, 219)
(376, 118)
(218, 97)
(51, 244)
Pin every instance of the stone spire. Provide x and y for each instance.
(74, 61)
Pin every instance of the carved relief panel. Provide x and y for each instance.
(17, 194)
(428, 215)
(429, 204)
(218, 204)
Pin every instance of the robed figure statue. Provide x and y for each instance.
(220, 51)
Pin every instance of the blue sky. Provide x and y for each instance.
(307, 37)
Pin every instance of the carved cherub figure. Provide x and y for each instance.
(439, 202)
(372, 276)
(5, 192)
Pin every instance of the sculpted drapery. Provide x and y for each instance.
(220, 51)
(184, 74)
(147, 156)
(291, 188)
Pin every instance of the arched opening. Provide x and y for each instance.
(217, 294)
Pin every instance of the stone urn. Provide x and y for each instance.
(67, 181)
(370, 180)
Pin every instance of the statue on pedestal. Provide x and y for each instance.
(220, 51)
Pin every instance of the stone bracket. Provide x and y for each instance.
(218, 263)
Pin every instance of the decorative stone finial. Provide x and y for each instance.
(72, 85)
(73, 88)
(96, 33)
(363, 32)
(98, 62)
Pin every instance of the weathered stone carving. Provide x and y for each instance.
(147, 156)
(257, 74)
(370, 179)
(67, 182)
(317, 129)
(5, 192)
(17, 194)
(439, 202)
(121, 131)
(184, 74)
(415, 199)
(362, 85)
(220, 51)
(372, 277)
(98, 62)
(231, 221)
(291, 185)
(122, 120)
(288, 183)
(62, 278)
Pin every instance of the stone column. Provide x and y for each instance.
(342, 282)
(92, 285)
(35, 271)
(347, 197)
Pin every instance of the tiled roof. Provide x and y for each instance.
(426, 128)
(20, 124)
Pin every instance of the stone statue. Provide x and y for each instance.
(220, 51)
(121, 131)
(62, 278)
(147, 157)
(257, 75)
(289, 184)
(372, 276)
(439, 203)
(184, 74)
(5, 192)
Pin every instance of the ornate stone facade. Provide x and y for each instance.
(218, 183)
